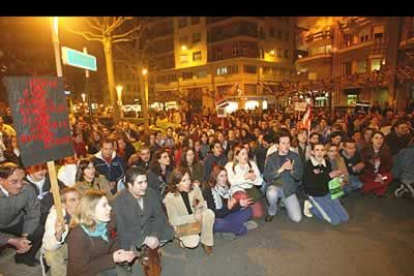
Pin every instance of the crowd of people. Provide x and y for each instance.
(126, 189)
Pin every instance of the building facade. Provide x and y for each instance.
(350, 59)
(198, 59)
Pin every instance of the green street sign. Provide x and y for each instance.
(78, 59)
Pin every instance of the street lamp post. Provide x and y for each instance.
(119, 89)
(145, 99)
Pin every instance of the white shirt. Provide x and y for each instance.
(4, 191)
(236, 176)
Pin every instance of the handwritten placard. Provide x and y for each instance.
(40, 117)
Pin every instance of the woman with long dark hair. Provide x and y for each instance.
(189, 160)
(159, 171)
(376, 174)
(88, 178)
(232, 215)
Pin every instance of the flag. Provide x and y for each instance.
(221, 102)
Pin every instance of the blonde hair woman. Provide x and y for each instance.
(186, 208)
(91, 248)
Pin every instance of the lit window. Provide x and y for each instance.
(183, 58)
(375, 64)
(197, 56)
(361, 66)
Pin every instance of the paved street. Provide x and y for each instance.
(378, 240)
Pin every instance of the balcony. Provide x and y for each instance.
(314, 57)
(232, 30)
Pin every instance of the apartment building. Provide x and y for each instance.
(350, 59)
(240, 58)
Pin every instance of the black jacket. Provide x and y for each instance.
(316, 178)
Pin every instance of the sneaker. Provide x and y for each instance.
(250, 225)
(399, 192)
(306, 208)
(269, 218)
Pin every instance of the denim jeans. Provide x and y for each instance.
(274, 193)
(326, 208)
(233, 223)
(354, 183)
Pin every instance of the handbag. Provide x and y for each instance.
(188, 229)
(150, 261)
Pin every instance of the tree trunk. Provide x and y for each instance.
(107, 44)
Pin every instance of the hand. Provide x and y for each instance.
(112, 185)
(21, 244)
(288, 165)
(196, 182)
(250, 175)
(245, 202)
(152, 242)
(378, 178)
(231, 202)
(198, 216)
(122, 255)
(358, 167)
(336, 173)
(59, 229)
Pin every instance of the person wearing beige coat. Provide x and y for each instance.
(185, 205)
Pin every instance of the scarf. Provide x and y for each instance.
(100, 231)
(219, 192)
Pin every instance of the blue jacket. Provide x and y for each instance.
(404, 164)
(287, 180)
(114, 172)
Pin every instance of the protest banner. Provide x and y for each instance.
(40, 117)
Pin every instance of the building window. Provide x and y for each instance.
(234, 69)
(227, 70)
(235, 50)
(271, 32)
(183, 58)
(286, 36)
(187, 75)
(172, 78)
(202, 74)
(182, 22)
(378, 32)
(279, 35)
(347, 68)
(279, 52)
(221, 71)
(218, 54)
(251, 69)
(361, 66)
(312, 76)
(161, 79)
(196, 38)
(286, 53)
(197, 56)
(376, 64)
(195, 20)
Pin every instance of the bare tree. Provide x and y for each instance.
(110, 31)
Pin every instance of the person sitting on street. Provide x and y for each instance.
(20, 215)
(109, 164)
(92, 248)
(354, 164)
(88, 178)
(140, 218)
(38, 178)
(159, 171)
(54, 245)
(67, 173)
(216, 157)
(376, 174)
(317, 174)
(232, 215)
(187, 210)
(283, 172)
(403, 170)
(144, 158)
(399, 137)
(192, 164)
